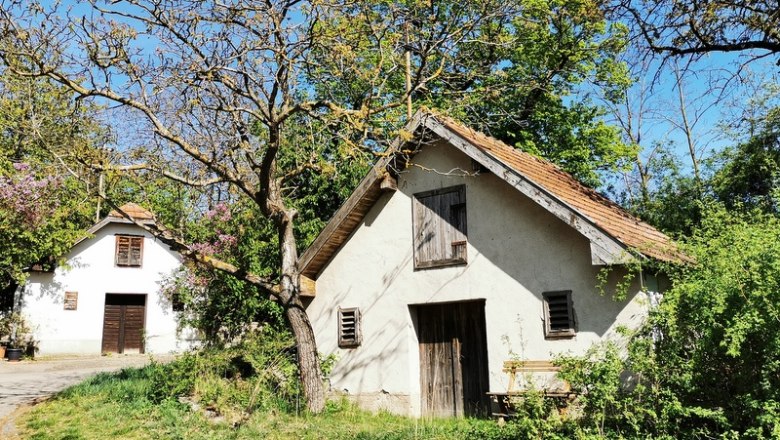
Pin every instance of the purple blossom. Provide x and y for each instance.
(222, 243)
(31, 199)
(220, 212)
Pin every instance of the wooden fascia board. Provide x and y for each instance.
(378, 175)
(605, 249)
(106, 221)
(308, 287)
(335, 222)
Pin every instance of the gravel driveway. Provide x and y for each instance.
(25, 382)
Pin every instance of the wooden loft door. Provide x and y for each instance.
(453, 359)
(123, 323)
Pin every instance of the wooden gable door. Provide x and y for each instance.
(453, 359)
(123, 323)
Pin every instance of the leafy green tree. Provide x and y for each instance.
(536, 95)
(749, 173)
(522, 75)
(707, 364)
(43, 207)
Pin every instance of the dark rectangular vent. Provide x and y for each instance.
(558, 314)
(349, 327)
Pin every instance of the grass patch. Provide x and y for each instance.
(118, 406)
(252, 388)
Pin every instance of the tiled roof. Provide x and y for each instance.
(559, 187)
(601, 211)
(134, 211)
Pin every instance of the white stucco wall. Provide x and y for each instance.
(91, 272)
(516, 251)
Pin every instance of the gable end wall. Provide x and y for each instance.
(516, 251)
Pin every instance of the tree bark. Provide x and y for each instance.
(308, 357)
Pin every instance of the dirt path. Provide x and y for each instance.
(24, 383)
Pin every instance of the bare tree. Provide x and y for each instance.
(633, 113)
(225, 84)
(697, 27)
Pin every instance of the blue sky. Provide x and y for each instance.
(712, 107)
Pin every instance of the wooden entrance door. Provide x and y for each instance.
(123, 323)
(453, 359)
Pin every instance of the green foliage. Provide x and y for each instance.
(749, 174)
(520, 70)
(721, 318)
(257, 374)
(708, 361)
(42, 207)
(532, 87)
(673, 201)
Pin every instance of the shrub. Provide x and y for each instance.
(258, 373)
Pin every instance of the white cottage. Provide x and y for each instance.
(106, 297)
(460, 253)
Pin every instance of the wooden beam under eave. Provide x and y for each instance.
(308, 287)
(388, 183)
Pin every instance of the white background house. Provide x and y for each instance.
(106, 297)
(516, 276)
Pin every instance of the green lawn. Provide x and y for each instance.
(117, 406)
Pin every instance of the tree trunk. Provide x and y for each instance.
(308, 357)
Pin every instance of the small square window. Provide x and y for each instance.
(129, 250)
(71, 301)
(558, 315)
(349, 327)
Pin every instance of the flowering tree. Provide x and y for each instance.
(230, 93)
(42, 206)
(28, 221)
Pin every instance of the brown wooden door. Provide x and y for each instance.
(123, 323)
(453, 359)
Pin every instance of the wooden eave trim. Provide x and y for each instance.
(336, 222)
(308, 287)
(605, 249)
(377, 176)
(105, 222)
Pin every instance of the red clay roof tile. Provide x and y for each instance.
(601, 211)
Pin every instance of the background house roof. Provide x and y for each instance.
(610, 228)
(135, 211)
(138, 213)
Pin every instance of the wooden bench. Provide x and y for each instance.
(500, 402)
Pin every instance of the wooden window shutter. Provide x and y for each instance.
(349, 327)
(558, 314)
(71, 301)
(129, 250)
(136, 251)
(439, 224)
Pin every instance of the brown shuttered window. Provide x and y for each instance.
(71, 301)
(129, 250)
(558, 314)
(439, 223)
(349, 327)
